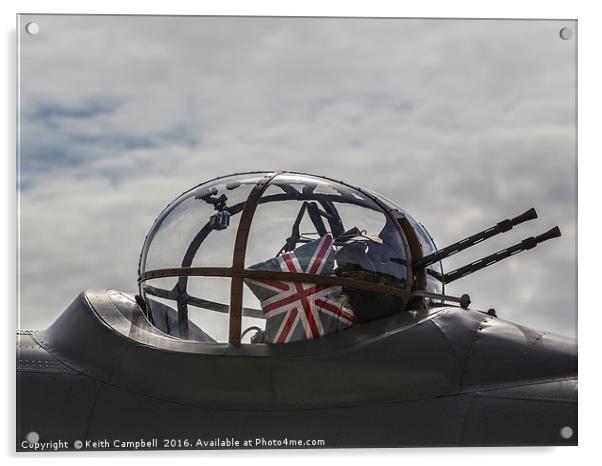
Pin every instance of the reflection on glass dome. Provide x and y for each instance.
(277, 258)
(198, 229)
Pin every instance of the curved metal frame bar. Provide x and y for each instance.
(273, 275)
(238, 258)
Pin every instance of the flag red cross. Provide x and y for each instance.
(302, 303)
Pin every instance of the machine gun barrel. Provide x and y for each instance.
(498, 228)
(524, 245)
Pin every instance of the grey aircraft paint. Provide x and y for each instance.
(440, 377)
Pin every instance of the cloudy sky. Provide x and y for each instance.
(461, 122)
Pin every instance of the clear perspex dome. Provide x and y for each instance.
(277, 258)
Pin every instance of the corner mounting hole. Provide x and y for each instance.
(566, 33)
(32, 28)
(566, 432)
(32, 437)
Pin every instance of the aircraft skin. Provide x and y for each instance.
(444, 376)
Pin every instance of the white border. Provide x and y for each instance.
(589, 211)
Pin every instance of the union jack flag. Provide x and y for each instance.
(299, 311)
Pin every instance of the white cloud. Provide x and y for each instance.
(462, 123)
